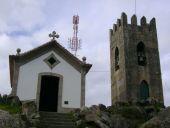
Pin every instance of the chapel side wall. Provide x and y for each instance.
(28, 80)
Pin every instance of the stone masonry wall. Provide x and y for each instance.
(126, 80)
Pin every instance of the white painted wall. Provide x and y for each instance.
(28, 80)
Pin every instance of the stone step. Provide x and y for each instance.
(56, 117)
(59, 115)
(56, 120)
(49, 124)
(56, 126)
(57, 123)
(54, 113)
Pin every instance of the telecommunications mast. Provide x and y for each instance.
(75, 42)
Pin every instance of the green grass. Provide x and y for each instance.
(10, 109)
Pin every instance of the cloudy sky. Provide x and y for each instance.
(26, 24)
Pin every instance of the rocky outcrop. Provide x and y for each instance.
(120, 115)
(96, 117)
(162, 120)
(17, 114)
(12, 121)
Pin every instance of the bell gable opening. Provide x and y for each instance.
(141, 54)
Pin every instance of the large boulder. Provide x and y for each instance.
(128, 111)
(91, 114)
(91, 117)
(105, 118)
(101, 124)
(29, 109)
(102, 107)
(117, 121)
(162, 120)
(11, 121)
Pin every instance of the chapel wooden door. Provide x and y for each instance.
(49, 93)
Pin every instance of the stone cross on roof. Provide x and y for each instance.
(53, 35)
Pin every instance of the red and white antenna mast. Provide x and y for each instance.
(75, 42)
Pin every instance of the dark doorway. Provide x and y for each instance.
(144, 90)
(49, 93)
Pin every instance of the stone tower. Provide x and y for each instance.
(135, 64)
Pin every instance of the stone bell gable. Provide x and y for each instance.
(49, 70)
(135, 63)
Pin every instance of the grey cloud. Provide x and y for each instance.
(20, 15)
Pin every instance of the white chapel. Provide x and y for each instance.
(49, 75)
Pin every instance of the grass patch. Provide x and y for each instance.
(10, 109)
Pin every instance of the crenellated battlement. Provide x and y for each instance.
(123, 22)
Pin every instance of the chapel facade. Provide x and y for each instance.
(49, 75)
(135, 63)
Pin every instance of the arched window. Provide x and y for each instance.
(116, 59)
(141, 54)
(144, 90)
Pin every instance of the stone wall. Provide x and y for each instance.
(126, 80)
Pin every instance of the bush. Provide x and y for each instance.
(10, 109)
(11, 104)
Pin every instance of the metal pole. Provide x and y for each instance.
(135, 7)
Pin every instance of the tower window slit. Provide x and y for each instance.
(116, 59)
